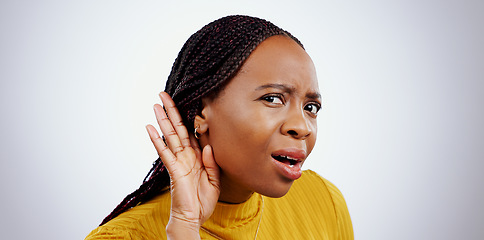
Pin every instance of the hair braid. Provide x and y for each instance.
(206, 62)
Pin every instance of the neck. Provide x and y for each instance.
(231, 192)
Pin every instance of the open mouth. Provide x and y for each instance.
(285, 159)
(289, 162)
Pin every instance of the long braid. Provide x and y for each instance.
(206, 62)
(157, 180)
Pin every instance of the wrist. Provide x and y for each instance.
(182, 229)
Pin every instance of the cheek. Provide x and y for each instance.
(240, 134)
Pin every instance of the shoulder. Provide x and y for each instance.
(145, 221)
(310, 195)
(315, 186)
(343, 219)
(310, 180)
(315, 191)
(322, 198)
(111, 232)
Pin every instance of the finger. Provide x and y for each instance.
(166, 127)
(211, 167)
(175, 118)
(196, 146)
(165, 154)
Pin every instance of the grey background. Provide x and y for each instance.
(400, 134)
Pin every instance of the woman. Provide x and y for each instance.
(239, 119)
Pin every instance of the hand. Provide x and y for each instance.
(195, 181)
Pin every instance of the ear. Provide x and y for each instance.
(201, 120)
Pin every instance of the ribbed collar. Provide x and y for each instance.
(229, 221)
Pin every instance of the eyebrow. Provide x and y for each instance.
(288, 89)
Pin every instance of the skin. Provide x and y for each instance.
(271, 104)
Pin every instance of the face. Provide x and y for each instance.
(262, 125)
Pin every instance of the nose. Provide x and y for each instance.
(296, 125)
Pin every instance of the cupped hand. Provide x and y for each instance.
(195, 181)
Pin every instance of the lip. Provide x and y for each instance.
(295, 153)
(291, 172)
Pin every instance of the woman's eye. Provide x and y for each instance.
(273, 99)
(312, 108)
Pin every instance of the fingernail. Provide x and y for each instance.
(156, 109)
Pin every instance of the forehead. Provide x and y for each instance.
(278, 60)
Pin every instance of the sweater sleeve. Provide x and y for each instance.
(345, 227)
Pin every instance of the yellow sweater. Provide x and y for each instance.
(312, 209)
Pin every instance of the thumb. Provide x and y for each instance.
(213, 170)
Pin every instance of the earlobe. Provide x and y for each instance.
(201, 121)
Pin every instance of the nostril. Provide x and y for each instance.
(292, 132)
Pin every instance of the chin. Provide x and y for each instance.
(275, 192)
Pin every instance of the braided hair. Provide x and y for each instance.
(206, 62)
